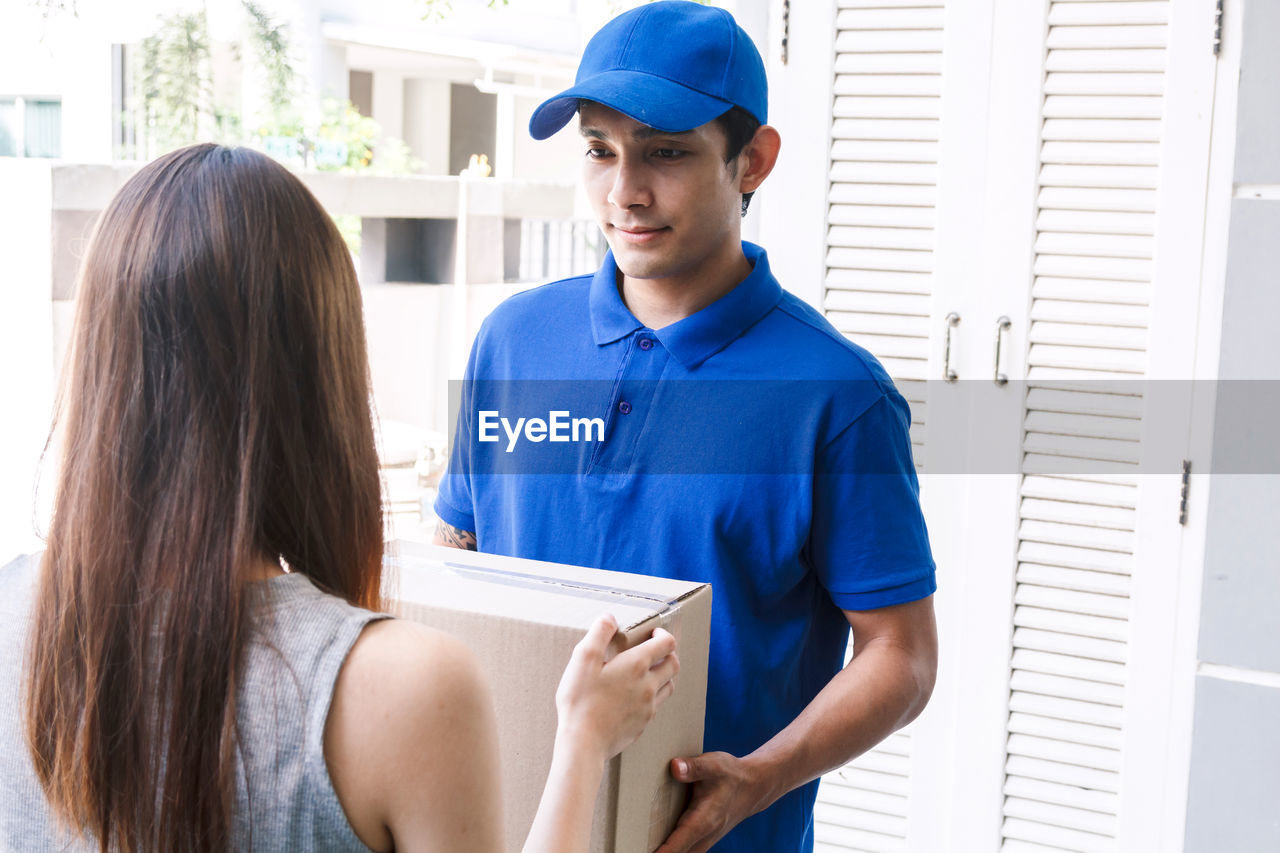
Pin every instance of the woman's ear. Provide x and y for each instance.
(760, 155)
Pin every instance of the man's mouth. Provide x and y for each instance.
(639, 233)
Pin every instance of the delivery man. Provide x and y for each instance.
(678, 413)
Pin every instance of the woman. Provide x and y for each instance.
(164, 684)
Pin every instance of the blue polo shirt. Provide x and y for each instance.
(749, 445)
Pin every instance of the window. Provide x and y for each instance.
(30, 127)
(9, 142)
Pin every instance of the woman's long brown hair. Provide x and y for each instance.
(216, 415)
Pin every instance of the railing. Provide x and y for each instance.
(555, 249)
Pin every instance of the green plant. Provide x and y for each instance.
(341, 122)
(49, 8)
(270, 44)
(177, 83)
(175, 89)
(438, 10)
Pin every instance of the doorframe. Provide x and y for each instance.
(1191, 351)
(941, 793)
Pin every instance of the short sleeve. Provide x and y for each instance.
(868, 542)
(455, 503)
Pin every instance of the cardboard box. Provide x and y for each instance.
(523, 618)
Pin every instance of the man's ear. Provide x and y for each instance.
(759, 156)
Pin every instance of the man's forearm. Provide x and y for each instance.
(453, 537)
(882, 689)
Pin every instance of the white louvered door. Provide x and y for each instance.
(1120, 148)
(883, 185)
(1096, 177)
(1045, 161)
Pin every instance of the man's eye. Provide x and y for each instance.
(667, 153)
(597, 153)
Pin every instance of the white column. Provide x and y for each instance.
(426, 123)
(388, 103)
(505, 136)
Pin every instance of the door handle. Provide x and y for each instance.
(1002, 325)
(953, 320)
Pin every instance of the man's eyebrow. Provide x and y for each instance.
(645, 132)
(640, 134)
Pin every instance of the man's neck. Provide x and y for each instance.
(659, 302)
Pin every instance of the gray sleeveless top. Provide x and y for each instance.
(288, 803)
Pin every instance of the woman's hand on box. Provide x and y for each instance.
(604, 705)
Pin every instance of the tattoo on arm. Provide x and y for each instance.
(447, 534)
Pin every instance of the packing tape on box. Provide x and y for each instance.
(523, 580)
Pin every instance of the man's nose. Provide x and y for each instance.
(630, 186)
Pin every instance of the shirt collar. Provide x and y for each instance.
(701, 335)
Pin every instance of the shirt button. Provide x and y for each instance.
(646, 343)
(624, 407)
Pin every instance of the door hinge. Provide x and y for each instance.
(786, 28)
(1186, 487)
(1217, 30)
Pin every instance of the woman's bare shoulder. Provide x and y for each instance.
(409, 704)
(390, 646)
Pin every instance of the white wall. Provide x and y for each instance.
(68, 60)
(1235, 755)
(426, 123)
(554, 159)
(405, 325)
(414, 344)
(26, 348)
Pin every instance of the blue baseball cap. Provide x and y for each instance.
(672, 65)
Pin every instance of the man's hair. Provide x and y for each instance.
(739, 128)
